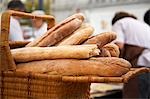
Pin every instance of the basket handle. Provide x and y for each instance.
(6, 59)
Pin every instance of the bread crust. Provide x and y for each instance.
(107, 67)
(79, 36)
(58, 52)
(59, 31)
(104, 53)
(101, 39)
(113, 49)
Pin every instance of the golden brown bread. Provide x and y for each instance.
(106, 66)
(101, 39)
(27, 54)
(113, 49)
(17, 44)
(113, 61)
(104, 53)
(79, 36)
(59, 31)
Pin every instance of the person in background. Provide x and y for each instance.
(147, 17)
(39, 26)
(16, 33)
(133, 39)
(144, 79)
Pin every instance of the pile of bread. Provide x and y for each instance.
(69, 49)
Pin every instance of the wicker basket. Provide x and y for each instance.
(19, 85)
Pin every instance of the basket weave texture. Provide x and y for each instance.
(20, 85)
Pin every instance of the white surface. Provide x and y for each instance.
(16, 33)
(104, 87)
(39, 32)
(134, 32)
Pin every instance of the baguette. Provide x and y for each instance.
(101, 39)
(59, 32)
(17, 44)
(113, 49)
(68, 51)
(79, 36)
(107, 67)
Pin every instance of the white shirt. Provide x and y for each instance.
(134, 32)
(39, 32)
(15, 32)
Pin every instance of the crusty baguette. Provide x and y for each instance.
(79, 36)
(17, 44)
(27, 54)
(101, 39)
(59, 31)
(113, 49)
(113, 61)
(106, 66)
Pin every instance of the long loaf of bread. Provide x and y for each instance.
(59, 31)
(27, 54)
(108, 67)
(101, 39)
(79, 36)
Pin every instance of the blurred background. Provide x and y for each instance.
(98, 12)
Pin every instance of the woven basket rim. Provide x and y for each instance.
(80, 79)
